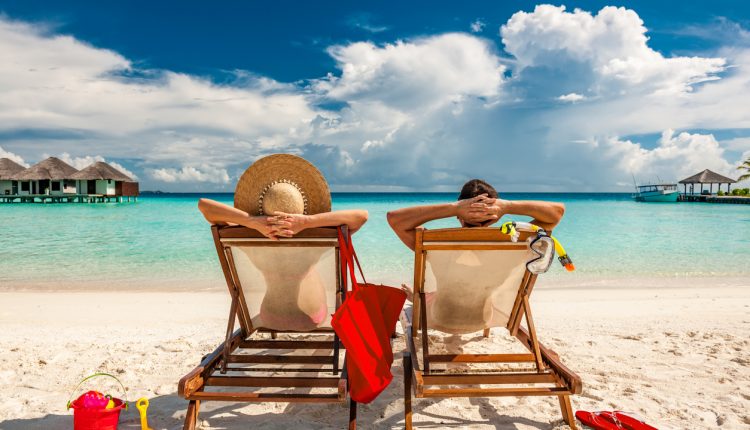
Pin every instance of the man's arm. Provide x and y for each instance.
(405, 221)
(478, 210)
(545, 214)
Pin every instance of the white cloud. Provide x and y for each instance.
(571, 97)
(83, 162)
(364, 21)
(477, 26)
(738, 143)
(420, 74)
(14, 157)
(676, 155)
(58, 83)
(608, 52)
(721, 29)
(191, 174)
(424, 113)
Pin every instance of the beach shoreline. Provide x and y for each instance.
(561, 281)
(675, 355)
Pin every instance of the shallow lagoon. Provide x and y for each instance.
(162, 240)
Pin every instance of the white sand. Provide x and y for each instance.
(676, 355)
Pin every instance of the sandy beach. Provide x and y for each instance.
(675, 354)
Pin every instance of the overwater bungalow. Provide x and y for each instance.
(48, 177)
(9, 169)
(54, 181)
(102, 179)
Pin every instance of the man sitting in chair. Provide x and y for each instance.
(478, 205)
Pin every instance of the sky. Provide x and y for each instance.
(386, 96)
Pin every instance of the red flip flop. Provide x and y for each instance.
(625, 421)
(593, 420)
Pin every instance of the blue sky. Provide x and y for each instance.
(387, 96)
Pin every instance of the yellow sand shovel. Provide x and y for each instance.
(142, 405)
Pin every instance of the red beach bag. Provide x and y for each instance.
(364, 323)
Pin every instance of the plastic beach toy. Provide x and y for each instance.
(142, 406)
(93, 410)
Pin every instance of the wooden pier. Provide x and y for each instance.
(65, 198)
(739, 200)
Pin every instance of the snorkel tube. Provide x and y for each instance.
(511, 228)
(564, 259)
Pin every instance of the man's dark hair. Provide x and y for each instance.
(476, 187)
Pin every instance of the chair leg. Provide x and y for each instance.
(191, 417)
(407, 391)
(352, 415)
(567, 412)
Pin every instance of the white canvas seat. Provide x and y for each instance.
(470, 290)
(469, 280)
(287, 288)
(283, 295)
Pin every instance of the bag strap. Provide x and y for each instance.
(349, 257)
(354, 254)
(346, 263)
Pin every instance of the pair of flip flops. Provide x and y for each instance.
(612, 420)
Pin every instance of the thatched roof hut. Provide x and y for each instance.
(9, 169)
(51, 168)
(101, 171)
(707, 177)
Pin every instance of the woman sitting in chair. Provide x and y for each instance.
(279, 196)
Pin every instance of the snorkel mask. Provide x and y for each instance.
(543, 245)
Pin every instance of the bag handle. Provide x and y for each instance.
(124, 392)
(354, 254)
(345, 262)
(349, 257)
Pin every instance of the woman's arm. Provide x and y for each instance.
(221, 214)
(404, 221)
(290, 224)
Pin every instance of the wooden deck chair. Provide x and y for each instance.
(283, 294)
(468, 280)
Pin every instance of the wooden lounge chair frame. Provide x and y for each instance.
(557, 380)
(215, 370)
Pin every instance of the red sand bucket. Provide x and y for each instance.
(96, 418)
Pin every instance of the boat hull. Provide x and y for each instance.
(669, 197)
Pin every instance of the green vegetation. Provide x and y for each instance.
(741, 191)
(746, 167)
(721, 193)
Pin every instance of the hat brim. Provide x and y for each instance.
(286, 167)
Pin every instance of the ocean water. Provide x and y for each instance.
(162, 240)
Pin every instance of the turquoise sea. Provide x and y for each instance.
(162, 240)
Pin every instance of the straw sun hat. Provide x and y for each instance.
(284, 183)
